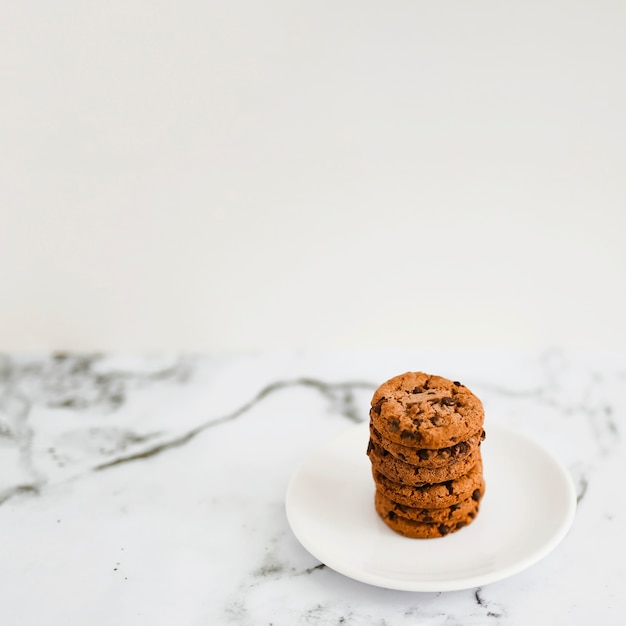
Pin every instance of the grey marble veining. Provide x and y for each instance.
(150, 490)
(83, 394)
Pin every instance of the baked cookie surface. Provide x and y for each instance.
(437, 495)
(424, 411)
(429, 457)
(445, 515)
(420, 530)
(408, 474)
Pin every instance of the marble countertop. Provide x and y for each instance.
(150, 490)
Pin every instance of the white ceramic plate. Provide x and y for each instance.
(528, 507)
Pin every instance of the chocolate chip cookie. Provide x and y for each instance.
(449, 515)
(425, 411)
(424, 448)
(434, 495)
(408, 474)
(421, 530)
(429, 457)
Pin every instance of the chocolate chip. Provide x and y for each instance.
(407, 434)
(449, 487)
(437, 420)
(394, 425)
(424, 454)
(427, 518)
(417, 390)
(471, 515)
(391, 515)
(454, 507)
(476, 495)
(457, 383)
(443, 529)
(376, 407)
(447, 401)
(460, 525)
(401, 456)
(462, 448)
(417, 422)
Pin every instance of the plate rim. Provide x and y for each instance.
(452, 584)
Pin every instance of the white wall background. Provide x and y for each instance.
(244, 175)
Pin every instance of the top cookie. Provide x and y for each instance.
(425, 411)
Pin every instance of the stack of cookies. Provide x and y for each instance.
(425, 436)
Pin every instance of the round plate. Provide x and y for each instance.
(528, 507)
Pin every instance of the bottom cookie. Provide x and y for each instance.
(421, 530)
